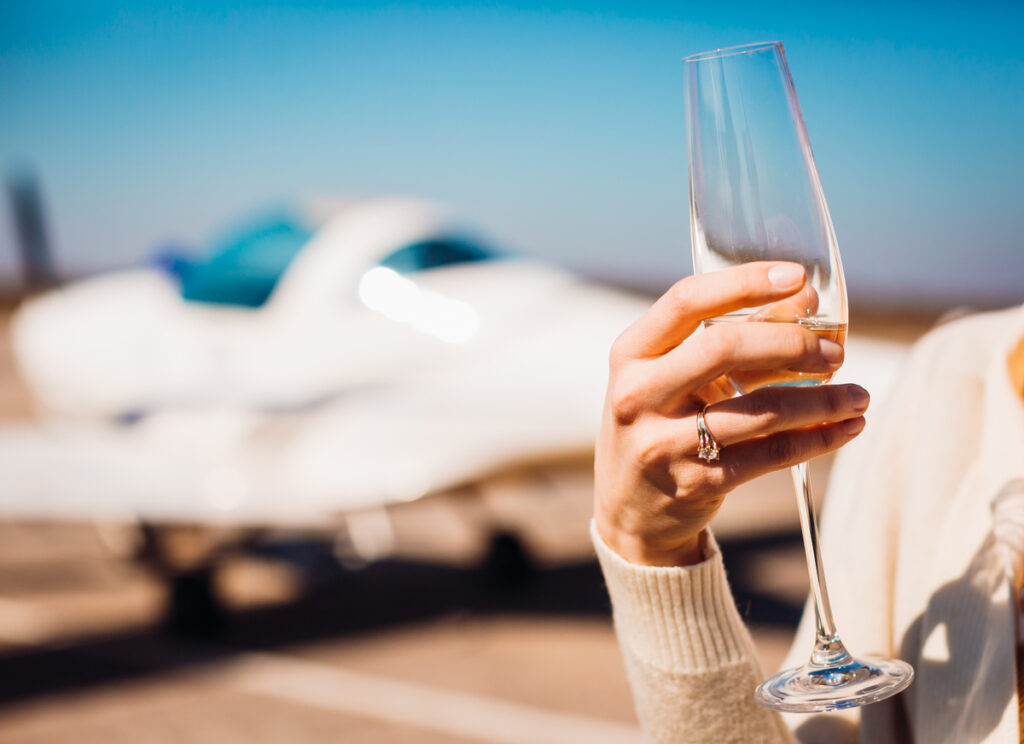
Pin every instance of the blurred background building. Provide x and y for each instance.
(185, 551)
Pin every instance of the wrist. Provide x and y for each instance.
(689, 552)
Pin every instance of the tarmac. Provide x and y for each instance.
(396, 651)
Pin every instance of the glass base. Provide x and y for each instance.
(855, 682)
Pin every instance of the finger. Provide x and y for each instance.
(748, 460)
(716, 390)
(776, 409)
(731, 347)
(679, 312)
(804, 304)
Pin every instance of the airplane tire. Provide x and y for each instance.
(193, 608)
(508, 564)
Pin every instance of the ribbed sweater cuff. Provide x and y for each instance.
(680, 619)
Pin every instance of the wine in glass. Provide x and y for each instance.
(755, 196)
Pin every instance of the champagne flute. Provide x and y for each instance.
(755, 196)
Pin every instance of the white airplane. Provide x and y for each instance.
(393, 358)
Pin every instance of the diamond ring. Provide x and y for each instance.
(707, 447)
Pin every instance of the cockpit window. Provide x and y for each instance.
(431, 254)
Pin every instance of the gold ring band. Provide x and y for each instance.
(708, 447)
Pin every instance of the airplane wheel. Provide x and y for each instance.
(508, 564)
(193, 608)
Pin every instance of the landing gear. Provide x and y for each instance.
(507, 564)
(193, 608)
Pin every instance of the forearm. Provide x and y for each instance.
(690, 660)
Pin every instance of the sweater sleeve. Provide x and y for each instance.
(689, 658)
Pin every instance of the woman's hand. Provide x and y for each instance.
(653, 496)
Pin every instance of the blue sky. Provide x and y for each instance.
(558, 128)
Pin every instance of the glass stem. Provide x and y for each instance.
(828, 649)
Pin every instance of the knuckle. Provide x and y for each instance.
(703, 485)
(625, 400)
(827, 437)
(800, 343)
(749, 283)
(718, 343)
(617, 355)
(652, 453)
(766, 407)
(835, 401)
(714, 481)
(680, 295)
(812, 344)
(781, 449)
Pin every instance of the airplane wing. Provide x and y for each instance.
(225, 467)
(365, 450)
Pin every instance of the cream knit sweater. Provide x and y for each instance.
(923, 535)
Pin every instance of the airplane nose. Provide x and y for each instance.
(79, 348)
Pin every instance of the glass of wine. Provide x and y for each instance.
(755, 196)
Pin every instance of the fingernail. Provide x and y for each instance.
(832, 351)
(859, 398)
(852, 426)
(785, 275)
